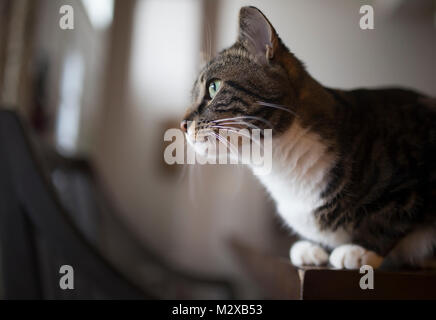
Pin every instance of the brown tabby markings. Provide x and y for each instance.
(383, 183)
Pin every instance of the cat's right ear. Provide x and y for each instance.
(257, 34)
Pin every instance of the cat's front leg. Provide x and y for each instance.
(352, 256)
(306, 253)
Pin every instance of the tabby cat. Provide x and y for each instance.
(353, 171)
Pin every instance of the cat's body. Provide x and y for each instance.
(370, 182)
(353, 171)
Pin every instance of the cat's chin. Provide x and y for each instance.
(205, 150)
(214, 151)
(200, 148)
(208, 152)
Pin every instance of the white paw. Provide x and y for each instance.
(351, 256)
(306, 253)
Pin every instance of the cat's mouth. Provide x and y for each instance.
(212, 142)
(222, 145)
(201, 142)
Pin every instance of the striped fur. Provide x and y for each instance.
(350, 167)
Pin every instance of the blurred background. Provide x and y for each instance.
(98, 98)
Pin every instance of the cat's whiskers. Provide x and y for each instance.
(184, 169)
(225, 142)
(208, 40)
(277, 106)
(233, 130)
(192, 184)
(230, 128)
(252, 126)
(247, 125)
(246, 118)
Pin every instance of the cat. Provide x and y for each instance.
(353, 171)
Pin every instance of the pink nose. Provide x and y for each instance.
(184, 126)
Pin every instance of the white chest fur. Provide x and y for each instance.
(300, 165)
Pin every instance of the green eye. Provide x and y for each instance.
(214, 86)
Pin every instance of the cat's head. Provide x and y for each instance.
(253, 84)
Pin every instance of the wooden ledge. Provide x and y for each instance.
(325, 283)
(277, 278)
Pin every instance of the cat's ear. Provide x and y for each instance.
(257, 34)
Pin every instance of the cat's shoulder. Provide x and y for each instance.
(386, 97)
(385, 94)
